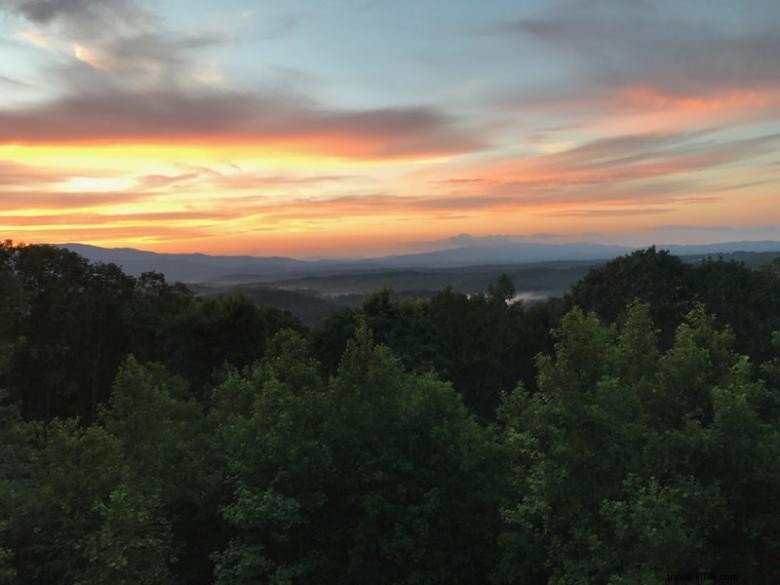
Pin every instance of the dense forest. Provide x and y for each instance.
(624, 433)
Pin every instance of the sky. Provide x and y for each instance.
(359, 127)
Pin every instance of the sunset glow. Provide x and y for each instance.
(309, 129)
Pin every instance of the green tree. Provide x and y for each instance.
(745, 299)
(630, 463)
(502, 290)
(374, 477)
(164, 517)
(16, 482)
(217, 330)
(655, 277)
(72, 471)
(102, 503)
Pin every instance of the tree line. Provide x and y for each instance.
(623, 432)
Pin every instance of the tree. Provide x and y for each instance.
(218, 330)
(657, 278)
(632, 448)
(745, 299)
(374, 478)
(66, 324)
(163, 518)
(97, 504)
(502, 290)
(71, 473)
(630, 464)
(16, 479)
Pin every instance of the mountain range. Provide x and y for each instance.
(194, 268)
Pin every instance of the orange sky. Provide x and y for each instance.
(159, 134)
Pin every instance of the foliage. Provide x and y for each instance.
(626, 431)
(374, 477)
(66, 325)
(630, 464)
(481, 343)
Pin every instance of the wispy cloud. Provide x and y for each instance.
(239, 119)
(652, 64)
(643, 167)
(12, 82)
(598, 212)
(268, 121)
(682, 48)
(722, 229)
(37, 200)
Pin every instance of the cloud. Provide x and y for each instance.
(37, 200)
(597, 212)
(103, 219)
(127, 78)
(221, 118)
(83, 17)
(233, 181)
(723, 229)
(15, 174)
(145, 59)
(620, 176)
(13, 83)
(109, 233)
(652, 64)
(152, 182)
(684, 48)
(259, 181)
(634, 115)
(124, 44)
(630, 168)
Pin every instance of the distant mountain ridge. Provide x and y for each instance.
(507, 253)
(190, 267)
(205, 268)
